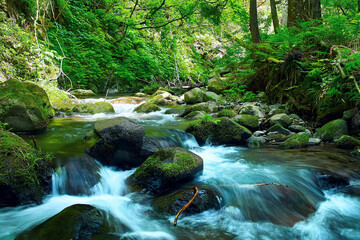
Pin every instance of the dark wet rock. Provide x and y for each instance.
(347, 142)
(82, 93)
(355, 153)
(166, 169)
(350, 190)
(280, 129)
(300, 140)
(116, 142)
(147, 107)
(248, 121)
(282, 119)
(25, 172)
(82, 173)
(332, 130)
(218, 132)
(171, 204)
(24, 106)
(82, 222)
(193, 96)
(328, 180)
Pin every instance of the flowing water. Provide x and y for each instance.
(301, 211)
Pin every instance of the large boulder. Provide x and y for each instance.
(117, 142)
(165, 169)
(300, 140)
(347, 142)
(24, 106)
(78, 221)
(210, 96)
(282, 119)
(193, 96)
(219, 131)
(82, 93)
(147, 107)
(252, 109)
(93, 108)
(25, 173)
(81, 174)
(332, 130)
(171, 204)
(248, 121)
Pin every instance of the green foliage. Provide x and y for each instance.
(206, 118)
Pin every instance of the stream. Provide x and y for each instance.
(302, 211)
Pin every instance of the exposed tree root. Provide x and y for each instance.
(187, 205)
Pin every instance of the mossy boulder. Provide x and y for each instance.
(210, 96)
(195, 115)
(24, 106)
(219, 131)
(171, 204)
(82, 93)
(332, 130)
(217, 86)
(300, 140)
(277, 137)
(297, 128)
(166, 169)
(279, 128)
(66, 107)
(203, 107)
(282, 118)
(226, 113)
(175, 110)
(78, 221)
(347, 142)
(193, 96)
(117, 142)
(25, 173)
(93, 108)
(248, 121)
(252, 109)
(160, 100)
(147, 107)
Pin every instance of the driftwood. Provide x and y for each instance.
(187, 205)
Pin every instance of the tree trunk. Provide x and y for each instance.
(359, 5)
(274, 16)
(303, 10)
(254, 27)
(294, 12)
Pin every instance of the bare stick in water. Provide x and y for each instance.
(188, 204)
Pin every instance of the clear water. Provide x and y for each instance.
(301, 211)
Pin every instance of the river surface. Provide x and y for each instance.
(301, 211)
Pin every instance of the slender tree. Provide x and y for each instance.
(254, 26)
(274, 15)
(303, 10)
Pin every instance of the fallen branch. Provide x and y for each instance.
(188, 204)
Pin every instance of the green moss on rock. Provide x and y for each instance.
(25, 173)
(300, 140)
(282, 118)
(193, 96)
(227, 113)
(219, 131)
(147, 108)
(347, 142)
(167, 168)
(332, 130)
(24, 106)
(251, 122)
(93, 108)
(78, 221)
(217, 86)
(279, 128)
